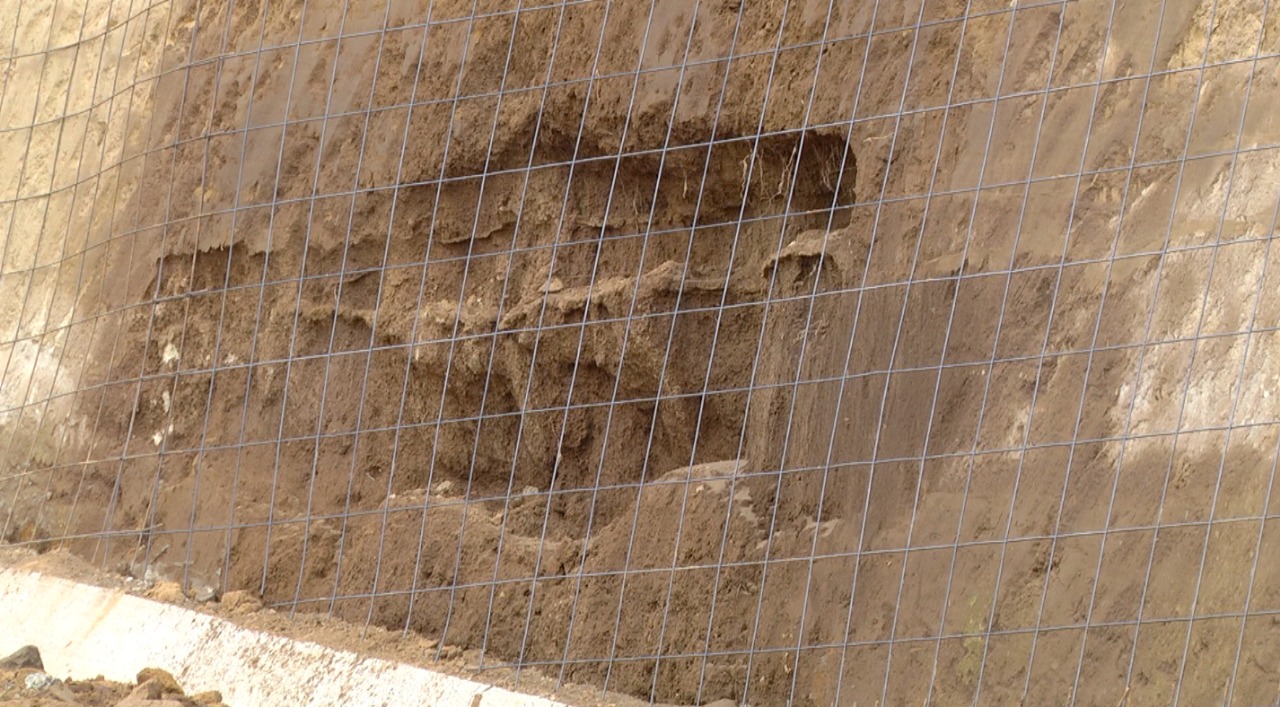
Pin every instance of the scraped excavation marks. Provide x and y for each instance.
(588, 375)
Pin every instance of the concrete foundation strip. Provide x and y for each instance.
(84, 631)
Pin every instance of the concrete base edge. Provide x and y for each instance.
(84, 631)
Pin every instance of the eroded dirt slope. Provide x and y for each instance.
(563, 335)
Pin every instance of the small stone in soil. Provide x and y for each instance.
(165, 681)
(24, 657)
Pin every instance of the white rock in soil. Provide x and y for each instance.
(40, 681)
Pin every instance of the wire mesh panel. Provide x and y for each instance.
(779, 351)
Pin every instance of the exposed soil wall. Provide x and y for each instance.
(610, 347)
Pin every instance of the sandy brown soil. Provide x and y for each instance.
(86, 693)
(550, 351)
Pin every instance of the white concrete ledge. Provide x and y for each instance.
(84, 631)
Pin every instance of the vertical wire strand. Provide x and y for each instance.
(468, 502)
(858, 308)
(48, 199)
(838, 405)
(988, 373)
(1244, 355)
(1146, 341)
(1071, 450)
(759, 349)
(297, 312)
(252, 360)
(666, 358)
(31, 273)
(511, 253)
(955, 299)
(340, 278)
(386, 252)
(6, 75)
(1266, 507)
(582, 328)
(43, 414)
(631, 309)
(66, 327)
(1039, 358)
(413, 329)
(93, 320)
(551, 268)
(1111, 502)
(166, 427)
(354, 451)
(438, 422)
(448, 365)
(118, 488)
(222, 312)
(108, 527)
(582, 325)
(26, 151)
(630, 318)
(110, 370)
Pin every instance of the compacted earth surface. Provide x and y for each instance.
(750, 350)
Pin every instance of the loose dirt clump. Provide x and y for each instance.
(23, 683)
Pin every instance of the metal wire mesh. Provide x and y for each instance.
(778, 351)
